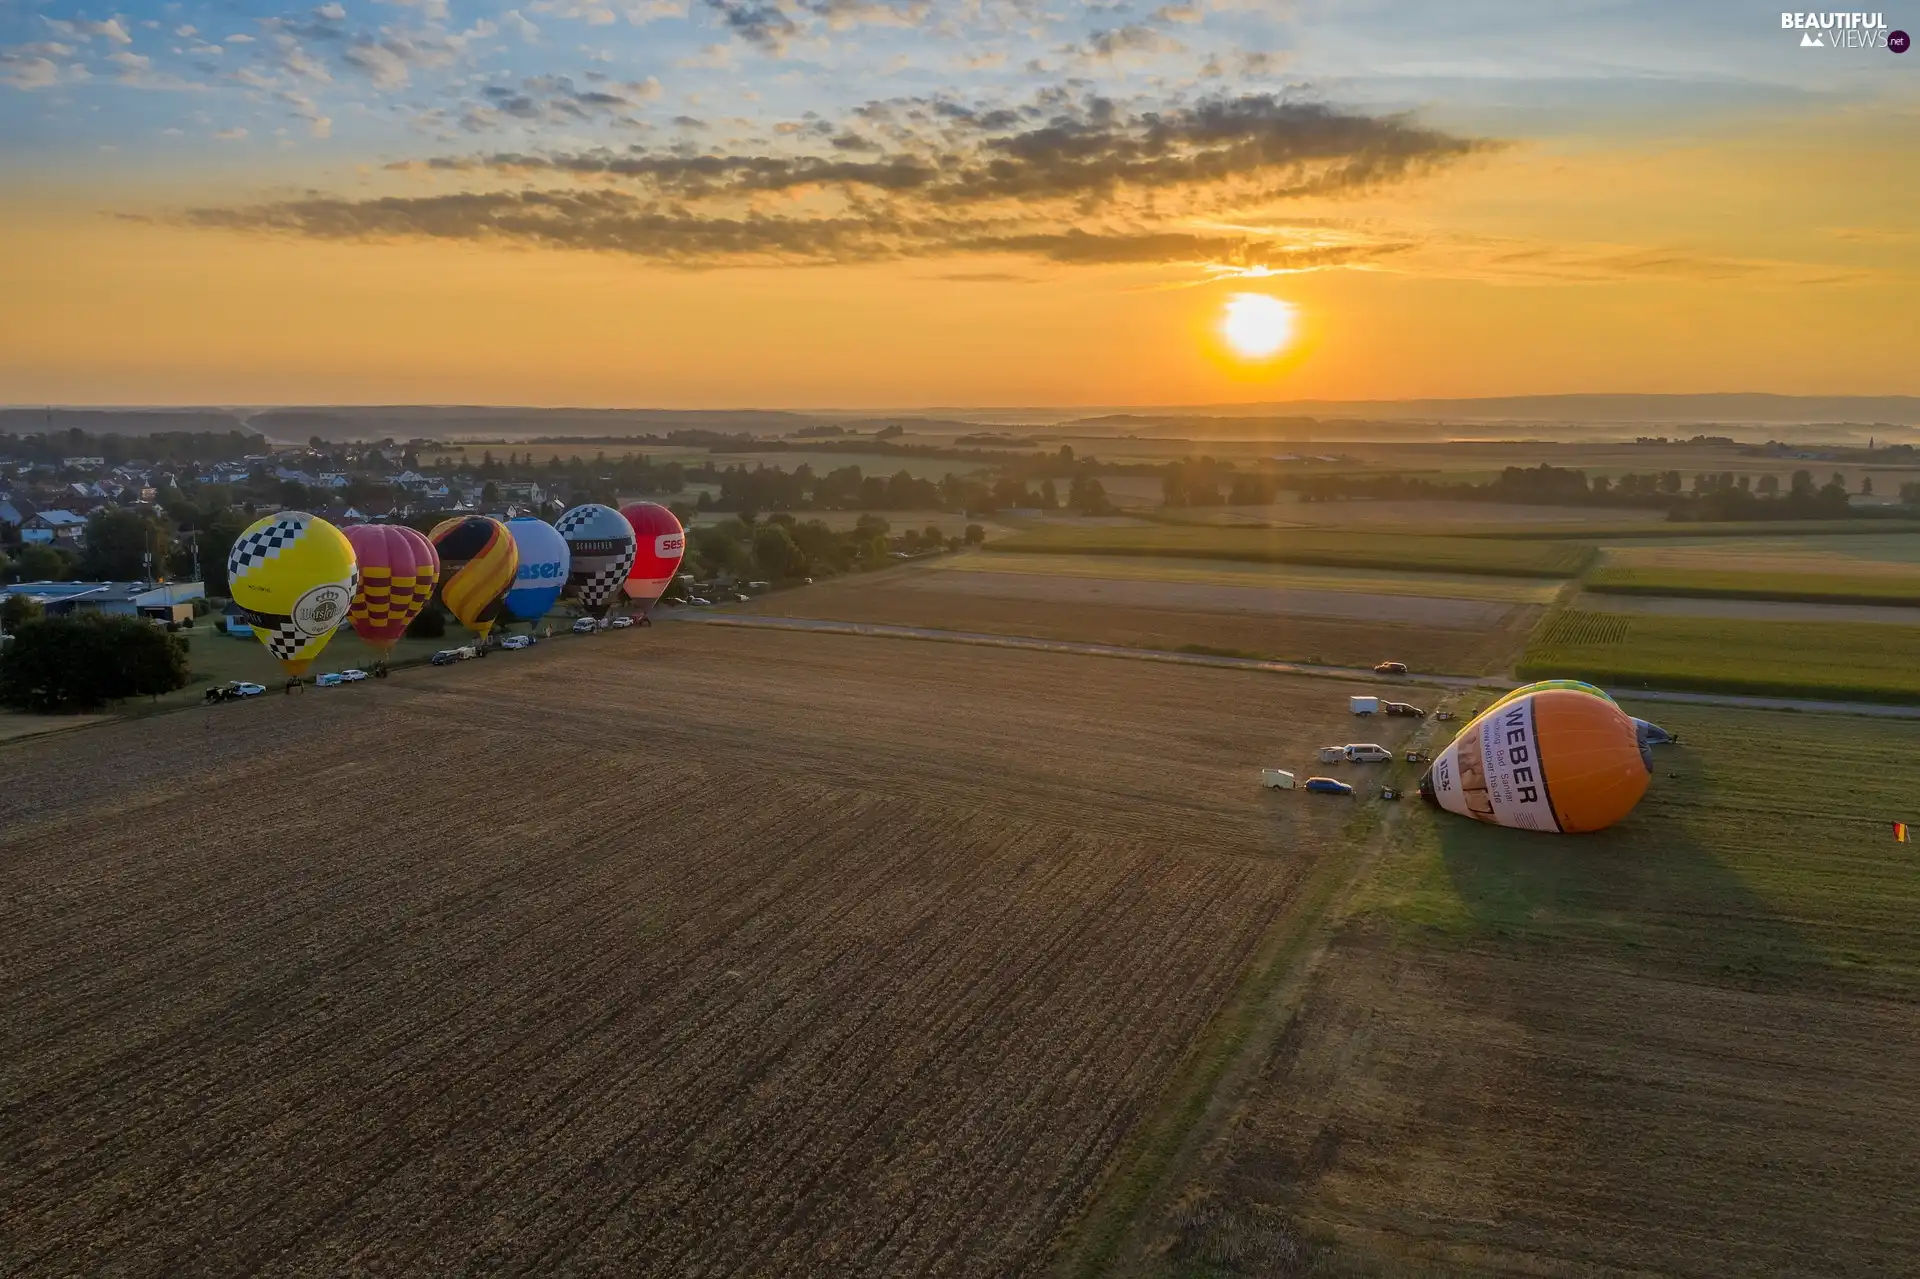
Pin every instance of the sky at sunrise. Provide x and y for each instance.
(864, 203)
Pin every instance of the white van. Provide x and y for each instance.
(1367, 753)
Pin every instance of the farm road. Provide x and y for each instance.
(1873, 709)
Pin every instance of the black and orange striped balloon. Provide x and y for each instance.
(477, 562)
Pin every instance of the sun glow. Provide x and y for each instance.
(1257, 326)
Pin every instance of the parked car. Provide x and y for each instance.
(1443, 716)
(353, 676)
(1328, 786)
(584, 626)
(517, 641)
(1390, 668)
(622, 622)
(1403, 708)
(330, 680)
(235, 690)
(1367, 753)
(446, 657)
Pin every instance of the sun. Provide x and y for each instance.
(1257, 326)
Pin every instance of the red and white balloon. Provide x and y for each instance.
(659, 544)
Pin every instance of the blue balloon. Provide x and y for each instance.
(544, 563)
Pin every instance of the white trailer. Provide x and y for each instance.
(1363, 705)
(1332, 754)
(1277, 778)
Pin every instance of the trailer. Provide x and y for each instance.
(1363, 705)
(1276, 778)
(1332, 754)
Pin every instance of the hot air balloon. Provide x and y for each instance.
(294, 575)
(600, 543)
(659, 542)
(543, 568)
(1554, 760)
(1650, 734)
(398, 569)
(477, 564)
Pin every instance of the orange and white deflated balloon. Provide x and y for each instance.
(1557, 760)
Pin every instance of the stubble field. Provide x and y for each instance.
(681, 951)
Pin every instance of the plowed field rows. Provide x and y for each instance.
(677, 952)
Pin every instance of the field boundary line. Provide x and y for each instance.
(881, 630)
(1118, 1230)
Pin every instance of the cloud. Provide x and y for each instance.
(1131, 41)
(1071, 182)
(130, 64)
(231, 135)
(83, 29)
(430, 10)
(332, 12)
(379, 61)
(1178, 13)
(759, 23)
(843, 15)
(517, 24)
(27, 71)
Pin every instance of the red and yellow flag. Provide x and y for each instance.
(1899, 832)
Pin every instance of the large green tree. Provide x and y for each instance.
(118, 542)
(42, 563)
(63, 664)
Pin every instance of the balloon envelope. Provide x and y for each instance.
(1540, 686)
(295, 576)
(398, 569)
(659, 543)
(600, 543)
(542, 574)
(1554, 760)
(477, 564)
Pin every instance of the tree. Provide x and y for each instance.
(1049, 496)
(774, 551)
(42, 563)
(63, 664)
(118, 543)
(489, 494)
(1803, 484)
(1769, 486)
(6, 566)
(16, 611)
(1866, 486)
(431, 623)
(975, 535)
(214, 540)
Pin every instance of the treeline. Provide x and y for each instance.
(848, 488)
(160, 448)
(783, 548)
(1721, 496)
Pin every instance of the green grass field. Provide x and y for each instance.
(1857, 661)
(1333, 549)
(1808, 588)
(1682, 1046)
(1768, 817)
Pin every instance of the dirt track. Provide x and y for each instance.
(682, 951)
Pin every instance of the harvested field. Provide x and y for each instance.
(1210, 597)
(1687, 1046)
(1404, 551)
(914, 598)
(1274, 577)
(810, 955)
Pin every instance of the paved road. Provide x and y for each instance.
(1255, 664)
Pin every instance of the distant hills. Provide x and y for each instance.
(1841, 416)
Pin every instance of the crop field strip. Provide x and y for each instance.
(1278, 577)
(1518, 558)
(1690, 1045)
(749, 984)
(1853, 661)
(887, 598)
(1804, 588)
